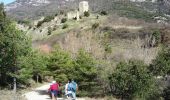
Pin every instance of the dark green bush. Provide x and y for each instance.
(39, 23)
(26, 22)
(133, 11)
(103, 13)
(108, 48)
(65, 26)
(166, 93)
(61, 12)
(56, 14)
(156, 36)
(97, 17)
(80, 17)
(75, 18)
(55, 27)
(86, 14)
(63, 20)
(161, 65)
(48, 18)
(49, 30)
(132, 80)
(95, 25)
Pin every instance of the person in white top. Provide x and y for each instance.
(67, 92)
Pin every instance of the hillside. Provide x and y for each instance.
(122, 33)
(110, 48)
(34, 9)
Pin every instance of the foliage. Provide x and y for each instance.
(156, 35)
(63, 20)
(49, 30)
(166, 93)
(161, 65)
(60, 65)
(86, 72)
(103, 13)
(133, 11)
(86, 14)
(75, 18)
(46, 19)
(61, 12)
(132, 80)
(80, 17)
(26, 22)
(95, 25)
(65, 26)
(33, 64)
(82, 69)
(13, 45)
(56, 14)
(108, 48)
(39, 23)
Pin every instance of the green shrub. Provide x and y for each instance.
(156, 36)
(86, 72)
(56, 14)
(34, 28)
(133, 11)
(26, 22)
(55, 27)
(49, 30)
(161, 65)
(63, 20)
(103, 13)
(108, 48)
(65, 26)
(48, 18)
(75, 18)
(86, 14)
(95, 25)
(80, 17)
(61, 12)
(166, 93)
(97, 17)
(39, 23)
(132, 80)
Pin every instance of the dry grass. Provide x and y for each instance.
(81, 35)
(9, 95)
(133, 49)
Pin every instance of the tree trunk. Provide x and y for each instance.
(15, 86)
(37, 78)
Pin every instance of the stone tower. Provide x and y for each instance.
(83, 6)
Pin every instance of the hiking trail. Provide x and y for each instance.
(41, 93)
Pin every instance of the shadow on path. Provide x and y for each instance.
(42, 92)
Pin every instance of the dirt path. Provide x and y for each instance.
(40, 93)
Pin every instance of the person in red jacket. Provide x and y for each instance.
(54, 89)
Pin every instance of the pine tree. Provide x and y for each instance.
(60, 65)
(13, 45)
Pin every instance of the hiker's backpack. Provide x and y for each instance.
(69, 87)
(72, 86)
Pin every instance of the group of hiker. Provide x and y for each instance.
(70, 90)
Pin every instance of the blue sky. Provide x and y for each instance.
(6, 1)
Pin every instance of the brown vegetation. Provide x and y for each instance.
(122, 43)
(10, 95)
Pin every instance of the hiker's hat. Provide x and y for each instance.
(53, 82)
